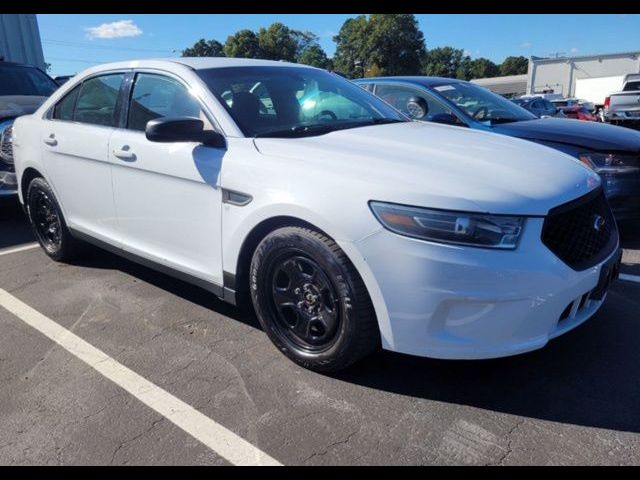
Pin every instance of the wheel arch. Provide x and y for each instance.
(27, 176)
(239, 280)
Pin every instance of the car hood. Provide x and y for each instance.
(590, 135)
(439, 166)
(12, 106)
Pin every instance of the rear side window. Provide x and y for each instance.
(398, 96)
(156, 96)
(64, 108)
(97, 100)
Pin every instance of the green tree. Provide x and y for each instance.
(396, 44)
(482, 68)
(315, 56)
(352, 47)
(446, 62)
(391, 44)
(278, 42)
(204, 48)
(514, 66)
(243, 44)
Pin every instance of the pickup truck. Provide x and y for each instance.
(623, 108)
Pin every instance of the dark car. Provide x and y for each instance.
(23, 88)
(613, 152)
(540, 107)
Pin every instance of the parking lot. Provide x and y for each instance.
(229, 397)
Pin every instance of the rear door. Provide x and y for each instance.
(75, 141)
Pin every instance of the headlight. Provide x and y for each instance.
(611, 162)
(6, 145)
(460, 228)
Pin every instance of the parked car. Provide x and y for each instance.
(579, 113)
(23, 88)
(613, 152)
(349, 229)
(574, 102)
(623, 108)
(540, 107)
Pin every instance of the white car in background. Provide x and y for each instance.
(349, 226)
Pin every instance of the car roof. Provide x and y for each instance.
(417, 80)
(195, 63)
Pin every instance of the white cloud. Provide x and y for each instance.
(574, 50)
(526, 45)
(119, 29)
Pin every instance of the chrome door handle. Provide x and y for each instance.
(51, 140)
(124, 153)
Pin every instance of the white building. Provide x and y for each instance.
(20, 39)
(508, 86)
(591, 77)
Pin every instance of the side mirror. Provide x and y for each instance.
(445, 118)
(182, 129)
(417, 107)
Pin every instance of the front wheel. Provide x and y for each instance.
(311, 301)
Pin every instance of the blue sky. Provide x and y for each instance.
(74, 42)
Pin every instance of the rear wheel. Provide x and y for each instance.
(48, 223)
(311, 301)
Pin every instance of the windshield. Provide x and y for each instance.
(631, 86)
(481, 104)
(294, 101)
(21, 80)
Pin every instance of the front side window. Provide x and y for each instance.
(65, 107)
(399, 95)
(294, 101)
(481, 104)
(96, 103)
(156, 96)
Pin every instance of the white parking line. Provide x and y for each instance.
(21, 248)
(222, 441)
(630, 278)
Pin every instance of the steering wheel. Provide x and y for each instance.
(327, 113)
(484, 110)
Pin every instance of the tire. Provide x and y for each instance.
(311, 301)
(48, 223)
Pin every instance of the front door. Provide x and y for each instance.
(167, 195)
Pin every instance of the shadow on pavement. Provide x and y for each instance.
(101, 259)
(588, 377)
(14, 227)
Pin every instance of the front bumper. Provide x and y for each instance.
(623, 194)
(446, 301)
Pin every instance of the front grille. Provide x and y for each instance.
(570, 232)
(6, 149)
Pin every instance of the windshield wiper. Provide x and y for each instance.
(497, 120)
(322, 128)
(299, 131)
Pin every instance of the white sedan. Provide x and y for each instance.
(349, 227)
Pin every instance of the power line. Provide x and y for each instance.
(65, 43)
(74, 60)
